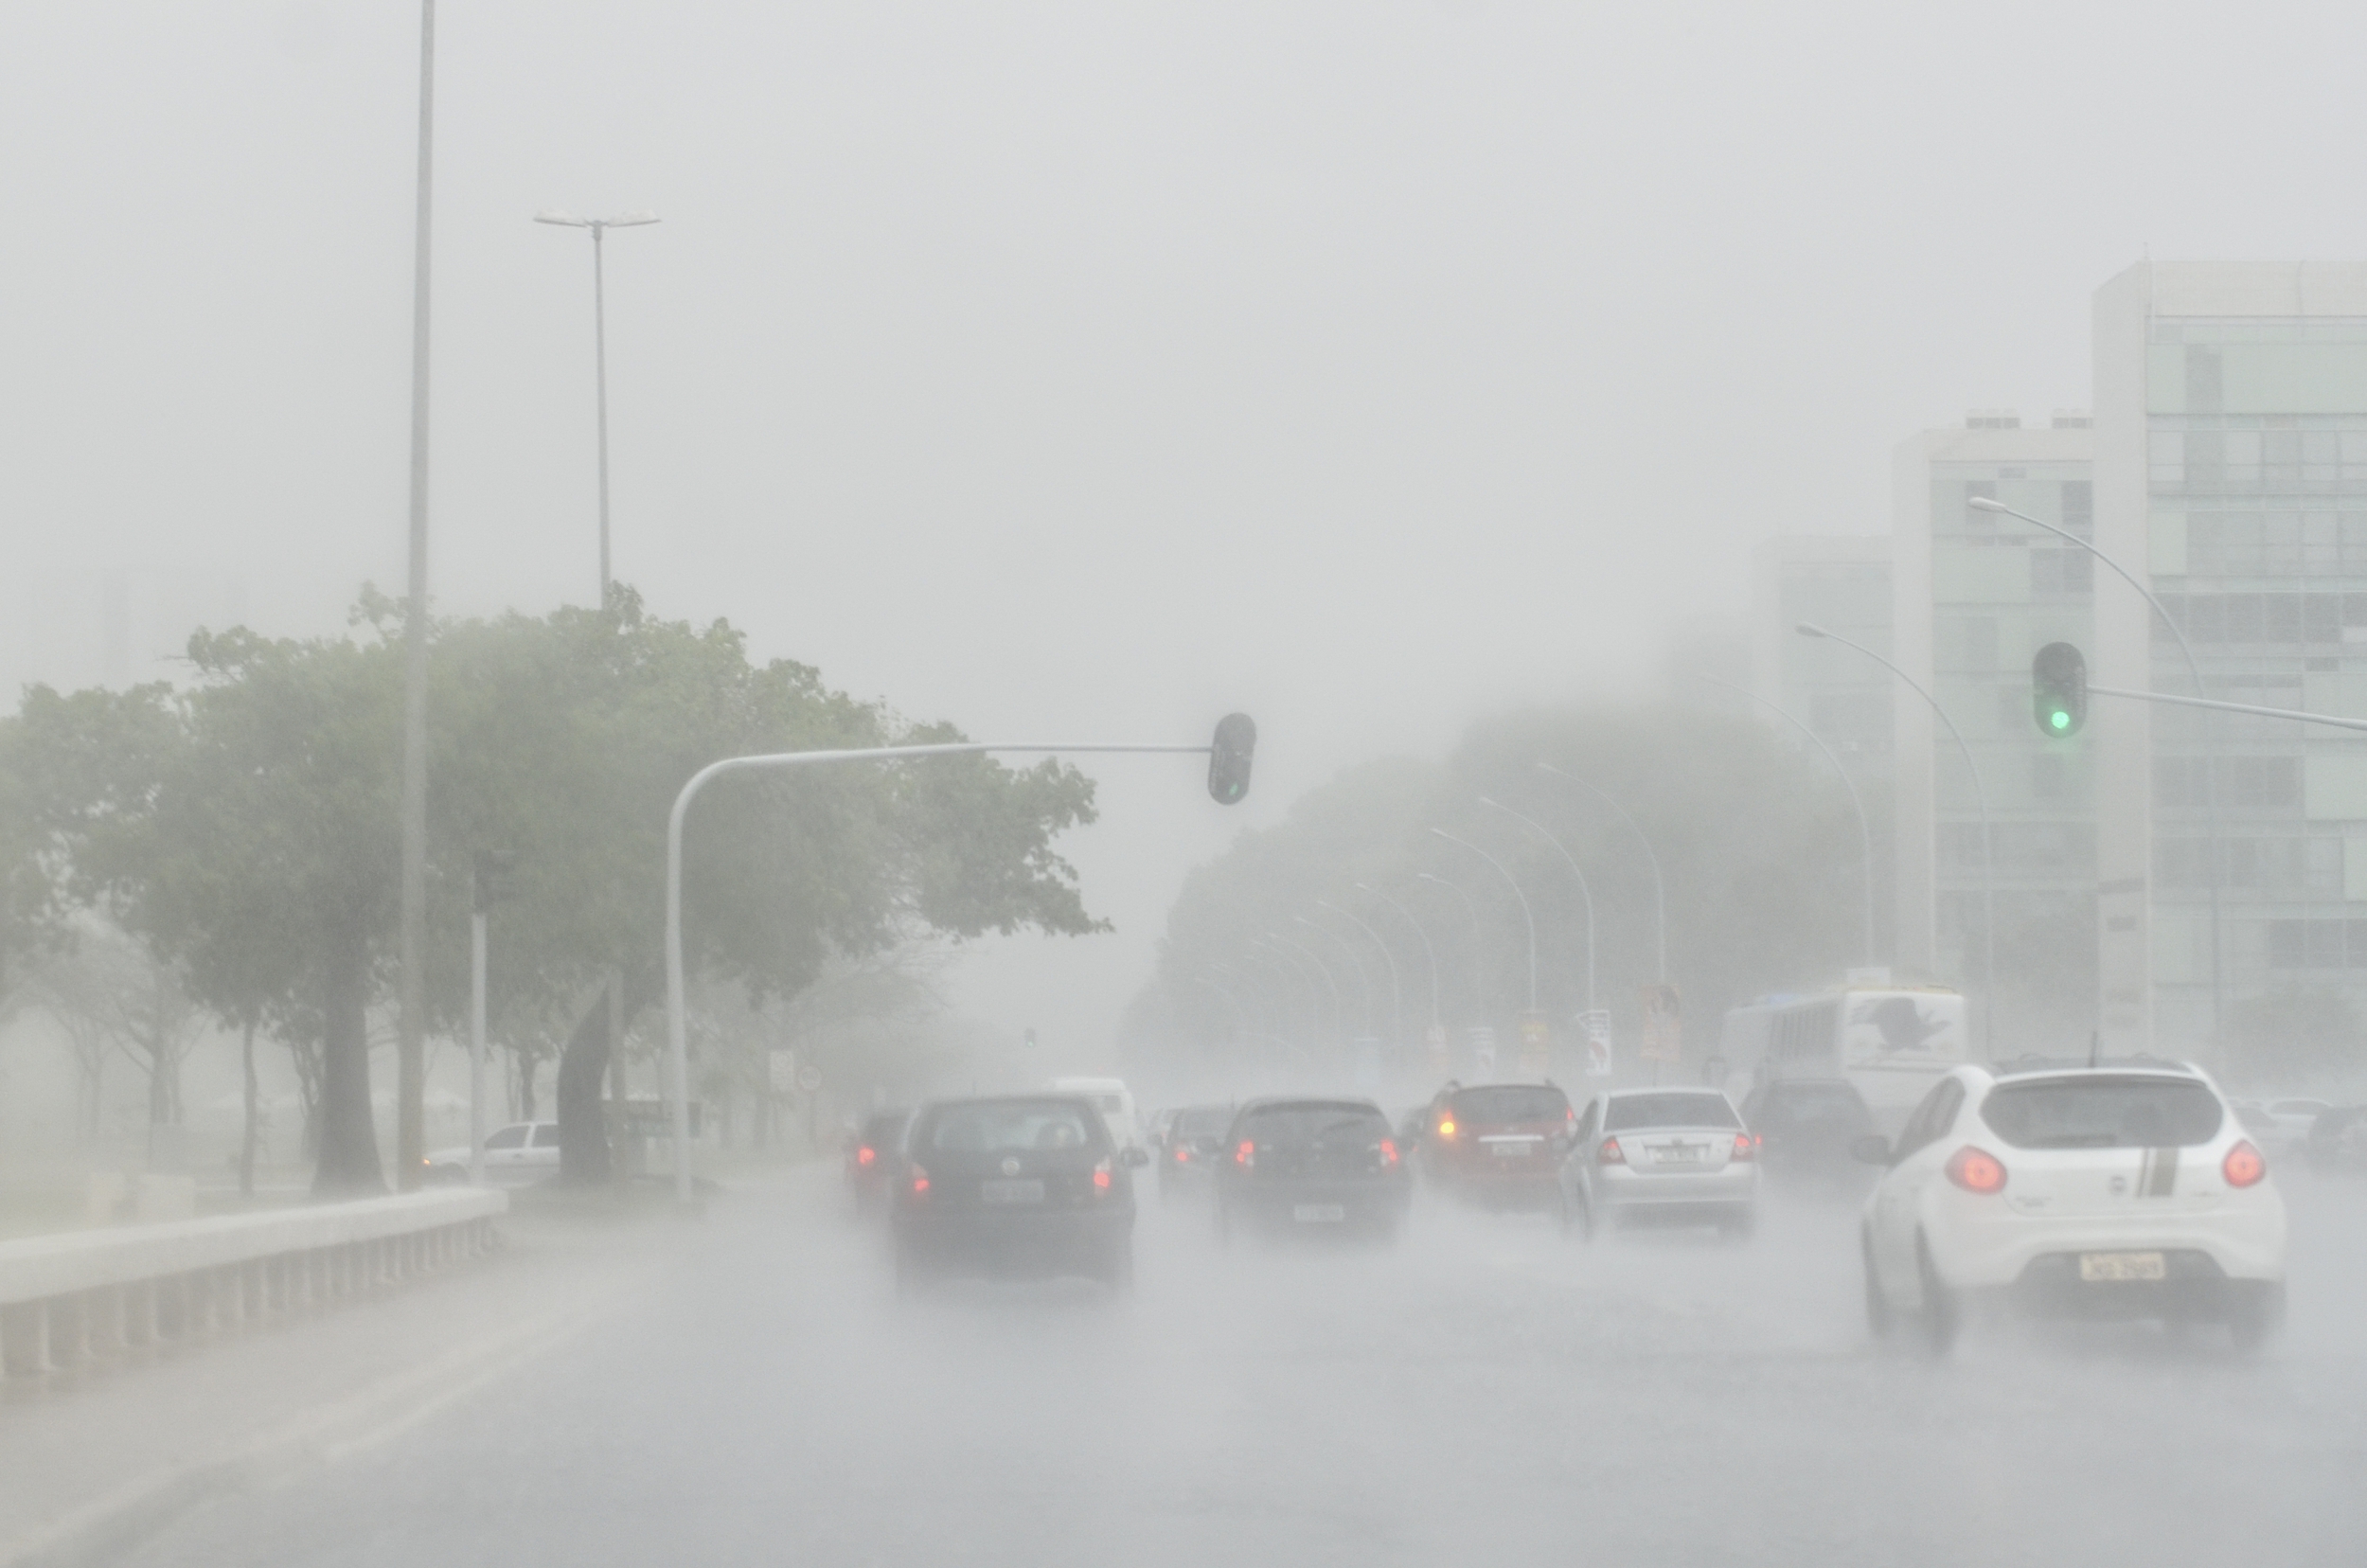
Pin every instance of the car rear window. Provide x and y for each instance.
(1304, 1126)
(1202, 1121)
(1675, 1107)
(2103, 1113)
(1517, 1102)
(1001, 1127)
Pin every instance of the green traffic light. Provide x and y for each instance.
(2059, 719)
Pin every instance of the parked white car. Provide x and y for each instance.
(2126, 1191)
(517, 1156)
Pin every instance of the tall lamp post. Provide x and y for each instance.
(1471, 907)
(2194, 672)
(1989, 888)
(1527, 919)
(1585, 892)
(1332, 983)
(1363, 980)
(1865, 834)
(599, 227)
(1660, 884)
(411, 942)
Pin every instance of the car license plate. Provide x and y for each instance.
(2098, 1268)
(1681, 1154)
(1029, 1191)
(1512, 1150)
(1319, 1214)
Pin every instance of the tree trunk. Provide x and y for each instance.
(585, 1158)
(246, 1140)
(527, 1067)
(349, 1157)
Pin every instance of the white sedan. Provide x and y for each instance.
(517, 1156)
(2128, 1191)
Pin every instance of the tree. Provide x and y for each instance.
(110, 994)
(244, 829)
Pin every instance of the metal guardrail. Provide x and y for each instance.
(86, 1295)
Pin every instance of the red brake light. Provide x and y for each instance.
(1976, 1170)
(1609, 1152)
(2244, 1166)
(865, 1155)
(921, 1183)
(1746, 1145)
(1388, 1152)
(1101, 1177)
(1246, 1155)
(1182, 1155)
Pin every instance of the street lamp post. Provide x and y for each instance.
(599, 227)
(1865, 834)
(1389, 960)
(2193, 670)
(1585, 892)
(677, 1018)
(1273, 964)
(1660, 884)
(1526, 917)
(1363, 980)
(1429, 957)
(1331, 982)
(1471, 907)
(1989, 888)
(411, 941)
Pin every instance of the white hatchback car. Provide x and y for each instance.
(2113, 1191)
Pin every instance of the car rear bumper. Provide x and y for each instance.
(1311, 1206)
(1617, 1187)
(2193, 1286)
(1037, 1243)
(1994, 1247)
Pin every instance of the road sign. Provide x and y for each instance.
(1663, 1016)
(1597, 1026)
(810, 1077)
(1536, 1042)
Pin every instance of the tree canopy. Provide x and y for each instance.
(245, 826)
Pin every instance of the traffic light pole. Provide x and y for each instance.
(677, 1029)
(2297, 715)
(2194, 672)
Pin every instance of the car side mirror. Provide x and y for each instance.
(1135, 1157)
(1873, 1148)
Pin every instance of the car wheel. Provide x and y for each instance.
(1879, 1319)
(2257, 1314)
(1943, 1315)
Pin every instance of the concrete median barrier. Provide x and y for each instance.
(89, 1296)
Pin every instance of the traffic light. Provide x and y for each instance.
(2058, 689)
(1229, 757)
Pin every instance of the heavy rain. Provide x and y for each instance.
(1452, 781)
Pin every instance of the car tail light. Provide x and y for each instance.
(1746, 1145)
(1101, 1176)
(2244, 1166)
(1446, 1128)
(1388, 1152)
(1182, 1155)
(1246, 1155)
(921, 1183)
(865, 1155)
(1609, 1152)
(1976, 1170)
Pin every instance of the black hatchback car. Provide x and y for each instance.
(1313, 1166)
(1027, 1186)
(1807, 1127)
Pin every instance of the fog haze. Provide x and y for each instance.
(1083, 371)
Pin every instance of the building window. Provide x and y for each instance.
(1985, 490)
(2079, 505)
(2059, 573)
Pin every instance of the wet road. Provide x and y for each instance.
(1487, 1393)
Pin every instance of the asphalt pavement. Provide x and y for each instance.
(1487, 1392)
